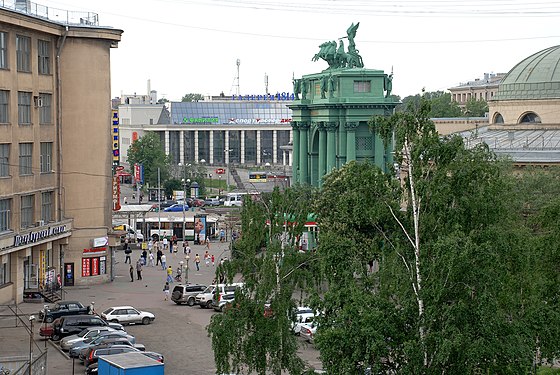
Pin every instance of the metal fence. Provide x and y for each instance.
(52, 14)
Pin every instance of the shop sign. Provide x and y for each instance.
(100, 241)
(277, 96)
(32, 237)
(259, 121)
(116, 193)
(95, 250)
(201, 120)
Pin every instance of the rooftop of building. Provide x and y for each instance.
(490, 79)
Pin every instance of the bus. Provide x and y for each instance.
(206, 226)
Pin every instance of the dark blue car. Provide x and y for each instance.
(177, 208)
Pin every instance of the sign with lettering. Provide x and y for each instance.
(258, 121)
(277, 96)
(116, 193)
(95, 250)
(115, 136)
(100, 241)
(201, 120)
(32, 237)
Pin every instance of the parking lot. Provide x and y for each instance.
(178, 332)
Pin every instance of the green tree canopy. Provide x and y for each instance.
(149, 152)
(440, 102)
(476, 107)
(191, 97)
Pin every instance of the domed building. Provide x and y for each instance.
(524, 115)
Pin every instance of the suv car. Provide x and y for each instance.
(62, 308)
(88, 333)
(221, 301)
(186, 293)
(104, 337)
(72, 324)
(204, 299)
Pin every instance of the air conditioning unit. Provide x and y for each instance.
(40, 223)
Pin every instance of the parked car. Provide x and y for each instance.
(197, 203)
(186, 293)
(106, 343)
(301, 319)
(166, 204)
(204, 299)
(62, 308)
(93, 353)
(74, 324)
(127, 315)
(307, 331)
(177, 208)
(77, 348)
(212, 201)
(88, 333)
(222, 301)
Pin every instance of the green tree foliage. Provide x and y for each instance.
(476, 107)
(244, 338)
(149, 152)
(191, 97)
(457, 290)
(162, 101)
(440, 102)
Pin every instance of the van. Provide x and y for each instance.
(204, 299)
(186, 293)
(234, 199)
(132, 235)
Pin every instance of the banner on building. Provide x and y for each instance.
(115, 137)
(139, 173)
(116, 193)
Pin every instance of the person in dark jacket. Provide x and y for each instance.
(158, 256)
(131, 273)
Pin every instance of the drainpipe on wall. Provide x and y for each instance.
(59, 125)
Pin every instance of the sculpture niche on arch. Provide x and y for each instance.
(337, 57)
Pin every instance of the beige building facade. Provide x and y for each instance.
(479, 89)
(55, 151)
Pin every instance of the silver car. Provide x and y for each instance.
(88, 333)
(78, 348)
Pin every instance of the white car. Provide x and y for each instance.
(88, 333)
(308, 330)
(301, 319)
(127, 315)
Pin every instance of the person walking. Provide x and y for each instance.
(197, 261)
(213, 260)
(166, 291)
(163, 261)
(139, 269)
(207, 258)
(159, 254)
(151, 259)
(144, 257)
(127, 251)
(131, 270)
(165, 243)
(207, 243)
(169, 274)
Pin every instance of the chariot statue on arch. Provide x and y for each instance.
(336, 56)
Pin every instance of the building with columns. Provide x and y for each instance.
(249, 131)
(55, 149)
(330, 121)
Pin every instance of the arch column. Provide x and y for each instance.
(242, 146)
(275, 147)
(166, 141)
(304, 152)
(196, 146)
(295, 152)
(331, 128)
(211, 153)
(259, 150)
(182, 147)
(351, 140)
(322, 152)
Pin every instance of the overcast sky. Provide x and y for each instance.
(186, 46)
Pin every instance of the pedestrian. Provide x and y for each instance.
(207, 243)
(165, 243)
(131, 273)
(163, 261)
(174, 240)
(166, 291)
(207, 258)
(197, 261)
(127, 251)
(144, 257)
(150, 244)
(222, 235)
(125, 200)
(158, 258)
(151, 259)
(139, 269)
(213, 260)
(170, 274)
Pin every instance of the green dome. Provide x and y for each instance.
(536, 77)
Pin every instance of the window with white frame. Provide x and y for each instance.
(27, 202)
(24, 108)
(46, 157)
(5, 214)
(5, 269)
(362, 86)
(47, 206)
(25, 159)
(23, 53)
(3, 50)
(4, 106)
(45, 108)
(4, 159)
(44, 52)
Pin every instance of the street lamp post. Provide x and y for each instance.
(185, 183)
(227, 150)
(31, 319)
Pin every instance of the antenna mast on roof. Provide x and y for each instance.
(236, 79)
(265, 83)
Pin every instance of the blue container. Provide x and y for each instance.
(129, 364)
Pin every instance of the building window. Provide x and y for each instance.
(44, 51)
(25, 159)
(4, 107)
(45, 108)
(4, 160)
(27, 202)
(3, 50)
(530, 118)
(5, 270)
(24, 108)
(47, 206)
(46, 157)
(23, 52)
(362, 86)
(498, 118)
(5, 214)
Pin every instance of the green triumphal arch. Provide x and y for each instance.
(331, 110)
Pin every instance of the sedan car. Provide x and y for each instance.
(301, 319)
(88, 333)
(308, 330)
(93, 368)
(104, 337)
(177, 208)
(62, 308)
(127, 315)
(93, 354)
